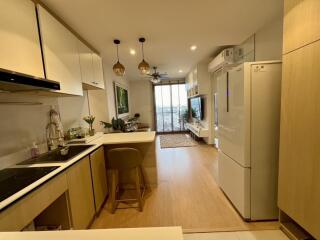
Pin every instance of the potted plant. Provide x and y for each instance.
(186, 115)
(107, 126)
(134, 118)
(90, 119)
(118, 124)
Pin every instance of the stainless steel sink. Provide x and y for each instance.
(58, 155)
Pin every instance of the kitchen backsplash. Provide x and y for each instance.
(23, 123)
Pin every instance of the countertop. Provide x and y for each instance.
(158, 233)
(106, 139)
(119, 138)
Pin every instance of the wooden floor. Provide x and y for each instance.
(187, 196)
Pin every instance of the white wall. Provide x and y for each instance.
(110, 78)
(98, 107)
(72, 110)
(268, 41)
(142, 101)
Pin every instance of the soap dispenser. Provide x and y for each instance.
(35, 150)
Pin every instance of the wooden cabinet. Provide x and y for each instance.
(301, 23)
(299, 168)
(20, 46)
(85, 185)
(81, 194)
(99, 177)
(97, 71)
(20, 214)
(60, 52)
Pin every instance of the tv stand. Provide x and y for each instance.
(197, 130)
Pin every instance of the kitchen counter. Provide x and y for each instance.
(159, 233)
(121, 138)
(106, 139)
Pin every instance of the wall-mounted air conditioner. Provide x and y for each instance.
(224, 58)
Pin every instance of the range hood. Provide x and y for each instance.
(15, 82)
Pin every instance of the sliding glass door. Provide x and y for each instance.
(170, 105)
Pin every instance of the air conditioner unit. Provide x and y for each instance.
(224, 58)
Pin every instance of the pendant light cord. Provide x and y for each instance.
(142, 51)
(118, 52)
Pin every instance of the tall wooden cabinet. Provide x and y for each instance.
(299, 164)
(301, 23)
(60, 52)
(20, 49)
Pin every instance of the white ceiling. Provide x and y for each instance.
(170, 27)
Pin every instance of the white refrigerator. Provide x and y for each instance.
(249, 123)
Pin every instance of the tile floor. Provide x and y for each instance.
(243, 235)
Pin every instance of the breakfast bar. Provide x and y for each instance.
(143, 141)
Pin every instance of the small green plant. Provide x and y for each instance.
(118, 124)
(186, 114)
(134, 118)
(193, 113)
(90, 119)
(106, 124)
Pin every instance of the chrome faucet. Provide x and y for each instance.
(54, 133)
(54, 137)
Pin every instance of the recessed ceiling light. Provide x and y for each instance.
(132, 52)
(193, 47)
(180, 71)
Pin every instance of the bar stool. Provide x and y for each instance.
(120, 159)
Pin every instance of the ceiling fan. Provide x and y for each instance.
(156, 77)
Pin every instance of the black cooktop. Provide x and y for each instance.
(12, 180)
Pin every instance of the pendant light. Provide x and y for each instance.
(118, 68)
(143, 67)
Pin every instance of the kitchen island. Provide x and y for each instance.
(144, 142)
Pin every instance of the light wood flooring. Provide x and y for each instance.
(187, 195)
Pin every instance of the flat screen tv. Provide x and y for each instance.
(197, 107)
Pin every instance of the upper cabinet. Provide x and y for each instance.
(198, 80)
(91, 68)
(85, 54)
(60, 50)
(97, 71)
(20, 49)
(301, 23)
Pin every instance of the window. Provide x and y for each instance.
(170, 103)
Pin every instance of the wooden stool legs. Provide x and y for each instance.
(114, 185)
(138, 188)
(139, 182)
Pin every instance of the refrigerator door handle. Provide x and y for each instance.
(227, 91)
